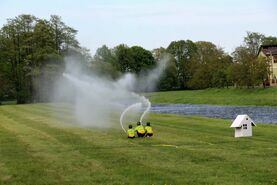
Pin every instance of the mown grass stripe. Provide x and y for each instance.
(22, 166)
(74, 141)
(67, 146)
(212, 157)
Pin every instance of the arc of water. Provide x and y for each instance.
(125, 111)
(146, 110)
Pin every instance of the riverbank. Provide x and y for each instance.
(232, 96)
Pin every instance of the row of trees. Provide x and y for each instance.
(32, 53)
(193, 65)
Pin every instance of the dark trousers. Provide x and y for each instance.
(131, 137)
(140, 135)
(149, 134)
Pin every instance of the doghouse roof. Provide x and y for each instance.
(240, 120)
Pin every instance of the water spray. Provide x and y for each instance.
(98, 99)
(144, 101)
(125, 111)
(148, 103)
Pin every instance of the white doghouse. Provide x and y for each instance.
(243, 126)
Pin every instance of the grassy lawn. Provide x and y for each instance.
(258, 96)
(40, 146)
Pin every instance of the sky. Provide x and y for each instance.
(153, 23)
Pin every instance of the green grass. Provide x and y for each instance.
(258, 96)
(12, 102)
(38, 145)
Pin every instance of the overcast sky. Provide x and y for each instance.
(153, 23)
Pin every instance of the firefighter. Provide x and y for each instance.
(131, 132)
(149, 130)
(140, 130)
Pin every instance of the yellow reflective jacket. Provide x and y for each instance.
(131, 132)
(149, 129)
(140, 129)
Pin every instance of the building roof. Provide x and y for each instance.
(240, 119)
(268, 49)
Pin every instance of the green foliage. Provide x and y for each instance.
(183, 52)
(168, 79)
(159, 53)
(104, 63)
(142, 59)
(6, 88)
(134, 59)
(33, 51)
(104, 54)
(64, 36)
(270, 40)
(248, 69)
(253, 41)
(210, 67)
(124, 59)
(28, 46)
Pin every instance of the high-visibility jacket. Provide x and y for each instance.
(149, 129)
(140, 129)
(131, 132)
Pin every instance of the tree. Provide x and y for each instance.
(142, 59)
(249, 70)
(104, 54)
(64, 36)
(104, 63)
(270, 40)
(124, 59)
(168, 79)
(261, 70)
(134, 59)
(253, 41)
(17, 51)
(159, 53)
(209, 67)
(6, 85)
(28, 47)
(183, 52)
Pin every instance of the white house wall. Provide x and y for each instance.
(245, 130)
(248, 131)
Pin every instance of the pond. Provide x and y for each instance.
(259, 114)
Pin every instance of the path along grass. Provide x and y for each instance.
(39, 145)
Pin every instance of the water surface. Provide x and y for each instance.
(260, 114)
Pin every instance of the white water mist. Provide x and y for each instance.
(100, 102)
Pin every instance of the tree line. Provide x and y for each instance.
(33, 52)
